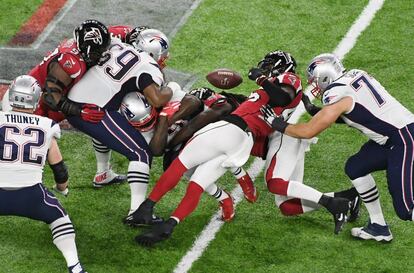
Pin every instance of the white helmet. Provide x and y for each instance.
(155, 43)
(24, 92)
(322, 71)
(138, 111)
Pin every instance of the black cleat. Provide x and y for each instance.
(339, 207)
(143, 216)
(354, 209)
(158, 233)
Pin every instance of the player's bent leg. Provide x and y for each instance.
(168, 180)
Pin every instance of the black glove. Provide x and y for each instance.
(256, 74)
(270, 117)
(311, 108)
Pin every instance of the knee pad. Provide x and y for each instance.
(278, 186)
(291, 207)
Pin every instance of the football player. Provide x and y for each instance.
(211, 158)
(125, 69)
(159, 133)
(26, 142)
(363, 103)
(285, 156)
(59, 71)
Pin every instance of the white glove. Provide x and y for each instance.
(65, 192)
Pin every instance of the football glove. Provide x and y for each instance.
(256, 74)
(170, 109)
(270, 117)
(92, 113)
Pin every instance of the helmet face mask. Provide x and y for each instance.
(276, 63)
(203, 93)
(93, 39)
(138, 111)
(322, 71)
(155, 43)
(24, 92)
(132, 36)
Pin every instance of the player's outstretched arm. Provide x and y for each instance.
(159, 140)
(60, 172)
(189, 105)
(322, 120)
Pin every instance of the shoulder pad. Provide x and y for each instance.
(72, 65)
(336, 92)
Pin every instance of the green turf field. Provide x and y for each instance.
(18, 11)
(236, 34)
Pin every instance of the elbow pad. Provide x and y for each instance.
(60, 172)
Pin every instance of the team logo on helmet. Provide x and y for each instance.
(163, 42)
(127, 112)
(94, 35)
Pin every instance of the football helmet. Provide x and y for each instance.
(93, 39)
(276, 63)
(132, 36)
(24, 92)
(202, 93)
(322, 71)
(138, 111)
(155, 43)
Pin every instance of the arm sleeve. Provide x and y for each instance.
(277, 97)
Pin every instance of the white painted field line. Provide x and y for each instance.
(209, 232)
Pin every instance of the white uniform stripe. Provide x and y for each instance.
(403, 170)
(127, 136)
(120, 140)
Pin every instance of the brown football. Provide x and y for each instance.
(224, 78)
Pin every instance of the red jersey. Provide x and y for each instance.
(119, 32)
(249, 111)
(214, 99)
(68, 57)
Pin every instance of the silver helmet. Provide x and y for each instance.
(155, 43)
(24, 92)
(138, 111)
(322, 71)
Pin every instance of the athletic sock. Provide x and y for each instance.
(64, 239)
(368, 191)
(216, 192)
(189, 201)
(138, 176)
(103, 156)
(168, 180)
(238, 172)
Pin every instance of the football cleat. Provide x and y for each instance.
(77, 268)
(249, 190)
(354, 209)
(227, 209)
(108, 177)
(157, 233)
(339, 208)
(373, 231)
(143, 216)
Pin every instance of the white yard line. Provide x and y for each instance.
(209, 232)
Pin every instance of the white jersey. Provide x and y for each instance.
(116, 76)
(375, 112)
(24, 142)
